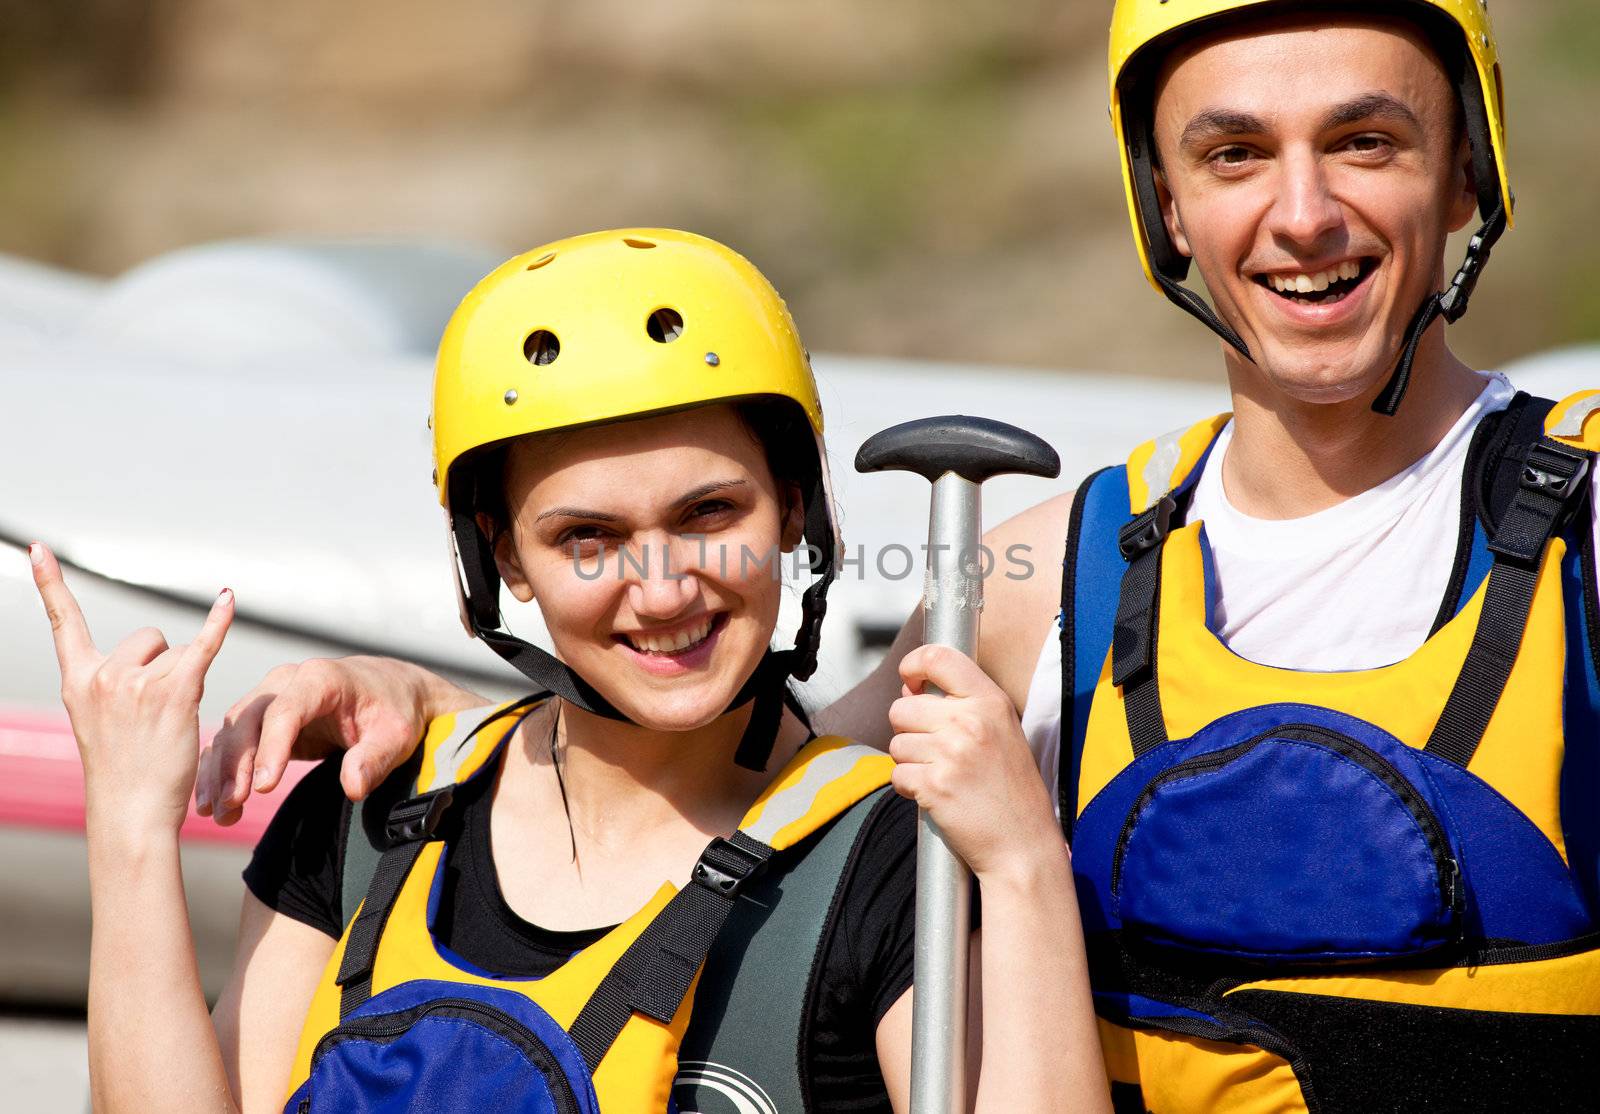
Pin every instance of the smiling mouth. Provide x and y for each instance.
(1323, 288)
(675, 643)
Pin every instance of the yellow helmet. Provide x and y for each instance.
(1140, 29)
(606, 327)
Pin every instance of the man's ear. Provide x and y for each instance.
(505, 558)
(1169, 213)
(1464, 188)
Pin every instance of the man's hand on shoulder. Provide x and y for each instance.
(374, 709)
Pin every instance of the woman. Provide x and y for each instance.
(626, 431)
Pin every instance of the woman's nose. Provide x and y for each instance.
(661, 580)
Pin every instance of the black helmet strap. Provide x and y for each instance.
(1450, 304)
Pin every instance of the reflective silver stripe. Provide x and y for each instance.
(1571, 423)
(789, 805)
(449, 755)
(1162, 463)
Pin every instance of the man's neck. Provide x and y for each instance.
(1289, 458)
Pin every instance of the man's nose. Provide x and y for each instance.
(1304, 212)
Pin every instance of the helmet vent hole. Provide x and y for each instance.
(633, 243)
(664, 326)
(541, 261)
(541, 347)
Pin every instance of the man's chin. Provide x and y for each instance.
(1326, 376)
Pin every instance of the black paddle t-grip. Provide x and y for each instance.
(973, 448)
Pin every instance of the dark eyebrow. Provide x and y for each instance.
(602, 516)
(707, 489)
(1373, 106)
(1210, 124)
(577, 512)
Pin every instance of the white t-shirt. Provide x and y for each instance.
(1355, 586)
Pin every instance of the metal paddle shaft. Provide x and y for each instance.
(956, 454)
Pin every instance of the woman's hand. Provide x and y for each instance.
(374, 709)
(962, 757)
(135, 711)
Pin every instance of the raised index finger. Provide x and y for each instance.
(74, 646)
(208, 643)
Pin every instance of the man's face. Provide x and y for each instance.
(1313, 171)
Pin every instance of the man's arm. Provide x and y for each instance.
(1021, 600)
(376, 708)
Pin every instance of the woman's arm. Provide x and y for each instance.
(276, 968)
(962, 756)
(1040, 1042)
(151, 1045)
(135, 714)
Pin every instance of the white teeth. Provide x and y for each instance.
(670, 643)
(1312, 284)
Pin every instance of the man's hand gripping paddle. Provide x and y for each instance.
(956, 454)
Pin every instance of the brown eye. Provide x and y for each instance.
(584, 539)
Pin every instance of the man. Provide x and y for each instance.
(1377, 896)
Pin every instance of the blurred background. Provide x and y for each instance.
(928, 178)
(931, 183)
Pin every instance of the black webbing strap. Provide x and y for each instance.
(1551, 486)
(411, 824)
(654, 975)
(1133, 635)
(1388, 400)
(1450, 303)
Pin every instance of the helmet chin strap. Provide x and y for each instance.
(1196, 306)
(767, 686)
(1451, 304)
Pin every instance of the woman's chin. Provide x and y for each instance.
(672, 705)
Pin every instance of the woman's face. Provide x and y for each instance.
(652, 549)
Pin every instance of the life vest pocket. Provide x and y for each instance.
(446, 1047)
(1300, 842)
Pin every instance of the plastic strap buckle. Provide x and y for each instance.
(1148, 530)
(415, 819)
(725, 867)
(1553, 471)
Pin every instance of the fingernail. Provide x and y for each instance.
(263, 775)
(226, 597)
(202, 800)
(36, 553)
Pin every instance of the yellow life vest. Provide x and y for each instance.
(1364, 891)
(396, 1020)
